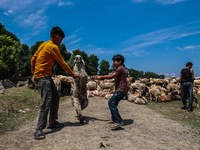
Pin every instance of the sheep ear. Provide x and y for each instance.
(83, 62)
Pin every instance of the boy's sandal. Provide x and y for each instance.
(117, 125)
(56, 124)
(39, 135)
(110, 122)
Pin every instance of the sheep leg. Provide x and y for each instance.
(157, 99)
(151, 97)
(196, 100)
(77, 107)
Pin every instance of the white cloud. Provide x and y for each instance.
(190, 47)
(74, 42)
(36, 19)
(169, 2)
(159, 36)
(8, 12)
(15, 5)
(139, 52)
(138, 1)
(5, 13)
(164, 2)
(67, 3)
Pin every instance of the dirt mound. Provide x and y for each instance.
(143, 129)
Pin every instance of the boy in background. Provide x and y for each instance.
(120, 90)
(186, 79)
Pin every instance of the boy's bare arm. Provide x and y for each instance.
(110, 76)
(180, 76)
(192, 72)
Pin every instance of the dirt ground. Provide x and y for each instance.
(143, 129)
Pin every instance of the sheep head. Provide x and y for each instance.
(79, 60)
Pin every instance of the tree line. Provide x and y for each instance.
(15, 59)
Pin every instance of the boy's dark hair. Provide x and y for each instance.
(118, 58)
(57, 31)
(188, 63)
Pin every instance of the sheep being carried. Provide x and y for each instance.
(79, 98)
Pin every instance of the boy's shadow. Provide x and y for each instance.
(66, 124)
(126, 122)
(87, 120)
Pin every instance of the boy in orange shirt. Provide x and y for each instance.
(41, 65)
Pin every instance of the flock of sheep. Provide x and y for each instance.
(140, 91)
(144, 90)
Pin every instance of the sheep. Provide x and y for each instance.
(79, 98)
(106, 85)
(138, 87)
(165, 97)
(57, 83)
(108, 96)
(65, 87)
(31, 83)
(194, 96)
(91, 85)
(154, 92)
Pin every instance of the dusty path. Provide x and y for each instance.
(143, 129)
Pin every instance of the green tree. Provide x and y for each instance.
(35, 47)
(57, 69)
(104, 67)
(112, 68)
(25, 63)
(135, 73)
(151, 75)
(93, 65)
(9, 57)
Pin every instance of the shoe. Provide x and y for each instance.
(184, 107)
(56, 124)
(190, 109)
(110, 122)
(117, 125)
(39, 135)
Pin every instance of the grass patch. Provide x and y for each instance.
(173, 111)
(22, 104)
(18, 106)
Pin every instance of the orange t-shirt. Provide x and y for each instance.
(44, 59)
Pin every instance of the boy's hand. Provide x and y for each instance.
(97, 77)
(75, 75)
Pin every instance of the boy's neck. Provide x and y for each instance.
(119, 65)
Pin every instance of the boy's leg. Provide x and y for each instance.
(113, 102)
(44, 85)
(55, 102)
(183, 94)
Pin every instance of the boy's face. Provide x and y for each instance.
(58, 39)
(116, 63)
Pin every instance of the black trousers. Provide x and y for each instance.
(50, 101)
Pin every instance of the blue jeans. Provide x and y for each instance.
(112, 103)
(187, 88)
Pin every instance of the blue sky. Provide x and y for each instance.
(160, 36)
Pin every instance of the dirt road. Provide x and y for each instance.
(143, 129)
